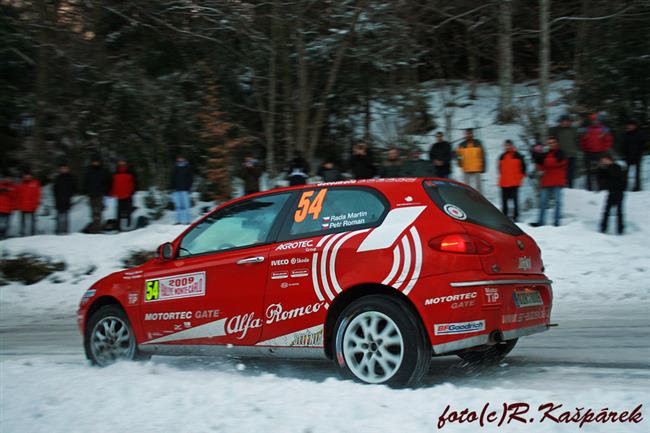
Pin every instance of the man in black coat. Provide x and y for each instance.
(440, 156)
(612, 177)
(97, 185)
(64, 188)
(298, 171)
(181, 184)
(360, 164)
(633, 144)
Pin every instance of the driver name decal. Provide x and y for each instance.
(175, 287)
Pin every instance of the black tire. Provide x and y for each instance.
(399, 364)
(488, 354)
(120, 346)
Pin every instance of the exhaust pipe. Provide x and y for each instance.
(496, 337)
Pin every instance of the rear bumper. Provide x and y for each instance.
(484, 339)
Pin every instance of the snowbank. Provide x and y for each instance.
(226, 397)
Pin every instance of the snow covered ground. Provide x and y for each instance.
(598, 357)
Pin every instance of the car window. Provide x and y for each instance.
(465, 204)
(243, 224)
(326, 210)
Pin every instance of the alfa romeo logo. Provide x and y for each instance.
(455, 212)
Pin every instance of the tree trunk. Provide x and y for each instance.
(304, 95)
(544, 60)
(321, 108)
(38, 149)
(506, 113)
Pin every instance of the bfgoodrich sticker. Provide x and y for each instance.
(459, 328)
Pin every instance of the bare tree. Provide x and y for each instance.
(544, 64)
(506, 113)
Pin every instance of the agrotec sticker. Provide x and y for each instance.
(175, 287)
(455, 212)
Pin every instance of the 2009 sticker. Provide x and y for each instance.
(455, 212)
(175, 287)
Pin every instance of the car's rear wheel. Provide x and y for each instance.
(489, 354)
(109, 337)
(378, 340)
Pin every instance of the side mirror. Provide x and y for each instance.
(166, 251)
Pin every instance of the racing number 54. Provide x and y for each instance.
(152, 290)
(307, 206)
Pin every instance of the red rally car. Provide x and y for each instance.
(377, 275)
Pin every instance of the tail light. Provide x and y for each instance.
(461, 244)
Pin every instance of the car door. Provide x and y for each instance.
(213, 291)
(322, 229)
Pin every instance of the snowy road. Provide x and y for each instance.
(597, 338)
(585, 362)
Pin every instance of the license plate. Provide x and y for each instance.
(528, 298)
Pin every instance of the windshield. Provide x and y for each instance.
(465, 204)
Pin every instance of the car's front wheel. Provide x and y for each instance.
(378, 340)
(109, 337)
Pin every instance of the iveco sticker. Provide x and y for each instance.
(459, 328)
(455, 212)
(174, 287)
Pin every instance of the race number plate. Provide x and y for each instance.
(528, 298)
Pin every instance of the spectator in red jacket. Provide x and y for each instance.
(553, 165)
(123, 190)
(7, 198)
(595, 142)
(28, 197)
(512, 170)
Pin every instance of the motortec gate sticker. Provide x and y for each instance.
(175, 287)
(455, 212)
(459, 328)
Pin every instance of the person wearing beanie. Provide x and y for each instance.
(567, 136)
(7, 203)
(512, 170)
(181, 184)
(633, 144)
(28, 196)
(123, 189)
(612, 177)
(97, 185)
(552, 164)
(594, 142)
(471, 158)
(64, 188)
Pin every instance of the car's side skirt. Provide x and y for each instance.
(230, 350)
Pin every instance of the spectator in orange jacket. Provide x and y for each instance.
(471, 158)
(512, 170)
(7, 198)
(553, 165)
(28, 197)
(595, 142)
(123, 190)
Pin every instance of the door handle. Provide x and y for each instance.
(249, 260)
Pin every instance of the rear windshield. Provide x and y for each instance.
(465, 204)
